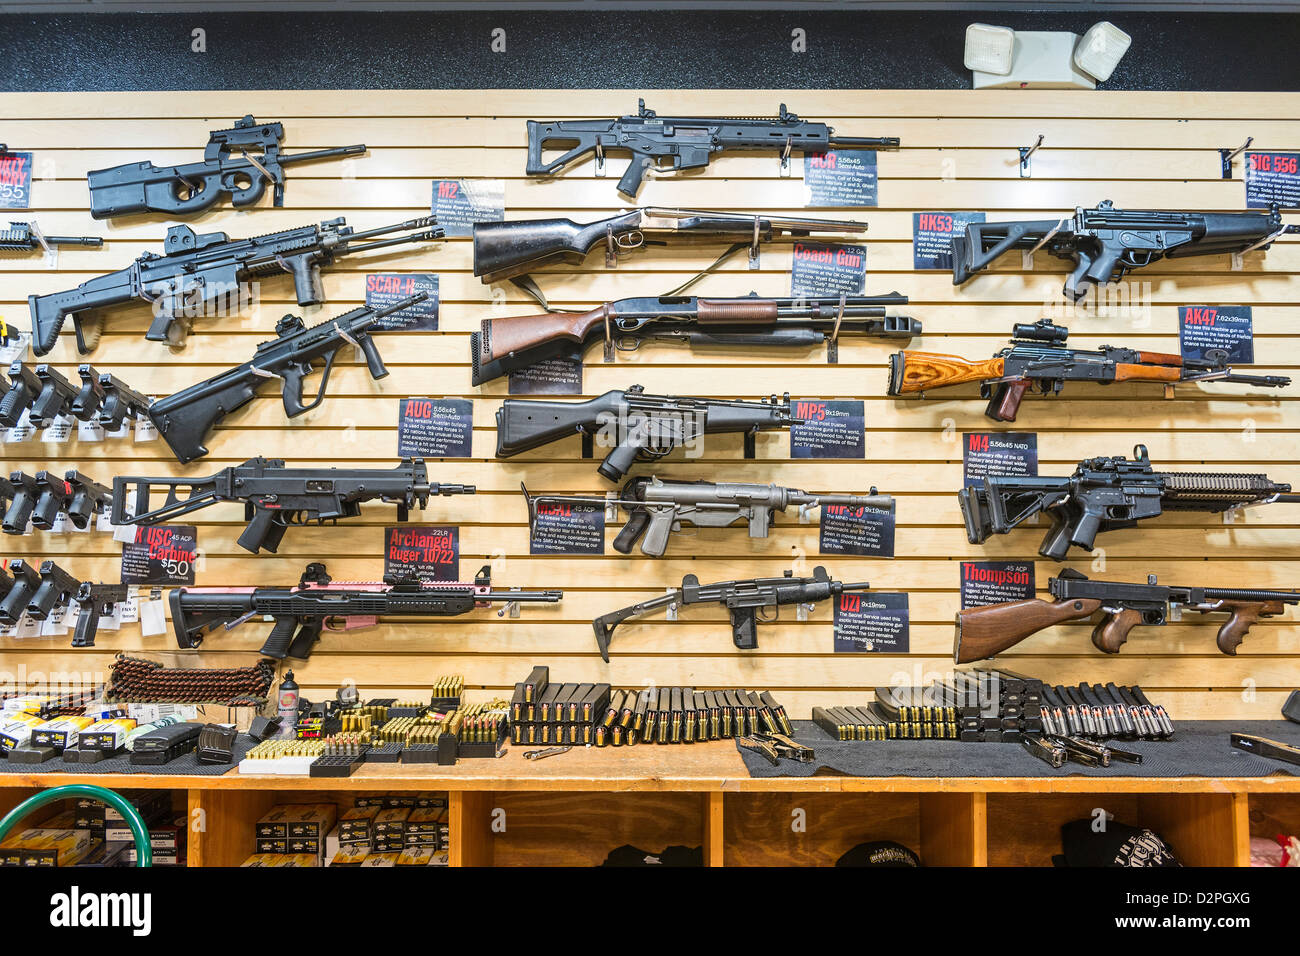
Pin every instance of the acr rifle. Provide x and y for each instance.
(301, 613)
(686, 142)
(644, 427)
(275, 497)
(1037, 359)
(197, 271)
(1106, 243)
(1104, 494)
(743, 600)
(503, 345)
(985, 631)
(193, 187)
(186, 418)
(657, 508)
(504, 250)
(27, 237)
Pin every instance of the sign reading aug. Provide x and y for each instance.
(15, 180)
(459, 203)
(871, 623)
(1272, 178)
(840, 177)
(1001, 454)
(385, 289)
(435, 427)
(161, 554)
(1216, 328)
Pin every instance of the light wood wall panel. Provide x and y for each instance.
(1142, 150)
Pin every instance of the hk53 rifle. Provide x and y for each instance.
(1106, 243)
(183, 190)
(186, 418)
(275, 497)
(639, 427)
(684, 142)
(504, 345)
(196, 272)
(744, 600)
(1104, 494)
(657, 508)
(985, 631)
(317, 604)
(1037, 359)
(26, 237)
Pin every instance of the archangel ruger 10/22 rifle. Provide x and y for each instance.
(301, 613)
(275, 497)
(186, 418)
(1106, 243)
(1104, 494)
(657, 508)
(504, 250)
(503, 345)
(685, 142)
(193, 187)
(639, 427)
(196, 272)
(744, 600)
(26, 237)
(1037, 359)
(985, 631)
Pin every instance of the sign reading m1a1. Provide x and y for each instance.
(840, 177)
(1206, 328)
(563, 527)
(422, 553)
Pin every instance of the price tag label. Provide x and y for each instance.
(386, 289)
(435, 427)
(1272, 178)
(932, 234)
(15, 180)
(826, 268)
(90, 431)
(422, 552)
(568, 528)
(459, 203)
(162, 554)
(1000, 454)
(13, 344)
(561, 375)
(860, 531)
(1220, 328)
(871, 623)
(840, 177)
(21, 432)
(58, 430)
(153, 616)
(995, 582)
(829, 429)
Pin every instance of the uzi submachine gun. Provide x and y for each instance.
(275, 497)
(658, 508)
(197, 272)
(301, 613)
(744, 600)
(1104, 494)
(1106, 243)
(640, 427)
(985, 631)
(239, 162)
(682, 142)
(27, 237)
(186, 418)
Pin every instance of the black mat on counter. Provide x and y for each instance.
(1199, 748)
(186, 764)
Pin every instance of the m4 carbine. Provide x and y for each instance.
(26, 237)
(1104, 494)
(1106, 243)
(985, 631)
(640, 427)
(316, 604)
(193, 187)
(184, 419)
(744, 600)
(275, 497)
(504, 345)
(685, 142)
(1037, 359)
(657, 508)
(503, 250)
(196, 272)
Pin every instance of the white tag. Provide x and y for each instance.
(60, 524)
(90, 431)
(153, 618)
(56, 622)
(113, 620)
(124, 533)
(23, 431)
(9, 630)
(16, 347)
(103, 520)
(122, 430)
(28, 628)
(58, 430)
(145, 430)
(128, 612)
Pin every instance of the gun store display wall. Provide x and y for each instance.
(958, 151)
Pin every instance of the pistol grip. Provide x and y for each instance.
(1005, 402)
(277, 644)
(1112, 632)
(83, 635)
(259, 531)
(1242, 616)
(630, 182)
(637, 522)
(744, 627)
(308, 634)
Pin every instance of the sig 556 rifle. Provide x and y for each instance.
(657, 508)
(1037, 359)
(316, 604)
(743, 599)
(1104, 494)
(641, 427)
(503, 250)
(686, 142)
(275, 497)
(184, 419)
(196, 271)
(26, 237)
(181, 190)
(985, 631)
(1106, 243)
(504, 345)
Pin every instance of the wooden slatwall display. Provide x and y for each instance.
(1141, 150)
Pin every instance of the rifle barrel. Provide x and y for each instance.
(323, 154)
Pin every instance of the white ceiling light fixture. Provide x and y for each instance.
(1041, 59)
